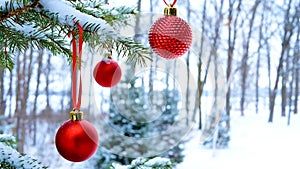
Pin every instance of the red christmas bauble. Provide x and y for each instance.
(107, 73)
(77, 140)
(170, 37)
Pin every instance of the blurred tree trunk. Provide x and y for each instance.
(245, 58)
(47, 75)
(10, 95)
(212, 121)
(19, 84)
(154, 62)
(137, 37)
(267, 36)
(268, 48)
(232, 35)
(216, 42)
(187, 96)
(24, 92)
(289, 84)
(90, 105)
(294, 80)
(200, 83)
(284, 74)
(287, 34)
(291, 90)
(258, 61)
(297, 65)
(2, 101)
(139, 5)
(36, 95)
(21, 111)
(28, 59)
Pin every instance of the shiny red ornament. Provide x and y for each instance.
(76, 140)
(107, 73)
(170, 37)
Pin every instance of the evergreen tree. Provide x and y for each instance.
(139, 115)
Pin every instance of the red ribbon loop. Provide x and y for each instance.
(172, 4)
(74, 67)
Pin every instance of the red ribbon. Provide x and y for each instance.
(172, 4)
(74, 70)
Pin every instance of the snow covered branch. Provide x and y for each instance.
(10, 158)
(143, 163)
(67, 14)
(45, 24)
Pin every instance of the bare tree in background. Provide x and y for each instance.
(297, 62)
(36, 95)
(200, 83)
(214, 135)
(289, 20)
(187, 96)
(24, 73)
(245, 58)
(2, 101)
(47, 75)
(232, 35)
(258, 61)
(294, 69)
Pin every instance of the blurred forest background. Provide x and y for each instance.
(256, 44)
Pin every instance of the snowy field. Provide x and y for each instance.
(255, 144)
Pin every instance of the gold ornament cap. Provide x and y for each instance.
(170, 11)
(76, 115)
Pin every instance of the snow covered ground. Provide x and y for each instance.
(254, 144)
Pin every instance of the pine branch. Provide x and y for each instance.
(113, 16)
(6, 61)
(11, 12)
(134, 52)
(10, 158)
(37, 23)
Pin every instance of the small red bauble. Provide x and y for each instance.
(107, 73)
(170, 37)
(76, 140)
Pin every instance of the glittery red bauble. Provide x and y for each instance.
(170, 37)
(76, 141)
(107, 73)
